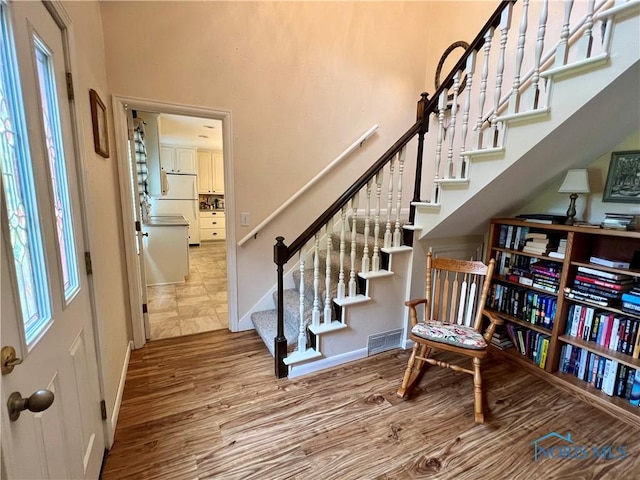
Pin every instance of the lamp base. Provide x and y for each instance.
(571, 211)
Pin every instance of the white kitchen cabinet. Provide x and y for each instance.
(210, 172)
(166, 249)
(212, 225)
(178, 159)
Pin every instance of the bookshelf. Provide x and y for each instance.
(550, 297)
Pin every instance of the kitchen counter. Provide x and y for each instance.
(167, 221)
(208, 210)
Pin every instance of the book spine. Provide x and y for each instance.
(601, 283)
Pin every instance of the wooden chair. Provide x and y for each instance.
(456, 292)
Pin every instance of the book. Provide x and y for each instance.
(608, 263)
(603, 283)
(542, 218)
(634, 397)
(631, 298)
(602, 274)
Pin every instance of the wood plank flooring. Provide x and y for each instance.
(208, 406)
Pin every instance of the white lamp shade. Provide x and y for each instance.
(576, 181)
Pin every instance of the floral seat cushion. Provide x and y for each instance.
(453, 334)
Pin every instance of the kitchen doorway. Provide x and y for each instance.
(175, 149)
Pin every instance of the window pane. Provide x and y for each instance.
(57, 168)
(20, 202)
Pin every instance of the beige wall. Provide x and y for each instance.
(590, 207)
(103, 208)
(302, 80)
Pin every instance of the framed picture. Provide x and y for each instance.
(623, 179)
(100, 127)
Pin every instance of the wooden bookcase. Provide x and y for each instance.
(581, 244)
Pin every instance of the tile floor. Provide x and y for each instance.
(199, 304)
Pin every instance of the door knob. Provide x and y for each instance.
(145, 234)
(37, 402)
(9, 359)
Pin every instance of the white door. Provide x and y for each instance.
(137, 149)
(46, 310)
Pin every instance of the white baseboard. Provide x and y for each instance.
(118, 402)
(323, 364)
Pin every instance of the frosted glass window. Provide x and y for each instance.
(57, 169)
(19, 196)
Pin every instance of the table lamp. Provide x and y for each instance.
(575, 182)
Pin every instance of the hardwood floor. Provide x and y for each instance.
(208, 406)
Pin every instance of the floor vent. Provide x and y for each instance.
(382, 342)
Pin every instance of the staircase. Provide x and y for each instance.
(508, 117)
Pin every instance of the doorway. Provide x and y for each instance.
(186, 150)
(208, 298)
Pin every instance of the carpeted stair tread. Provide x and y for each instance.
(266, 324)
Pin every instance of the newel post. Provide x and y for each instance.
(280, 253)
(422, 116)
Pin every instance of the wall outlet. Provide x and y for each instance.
(244, 219)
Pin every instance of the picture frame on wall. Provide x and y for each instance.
(100, 126)
(623, 178)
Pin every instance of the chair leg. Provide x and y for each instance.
(413, 373)
(477, 390)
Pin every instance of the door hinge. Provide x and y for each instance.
(144, 308)
(87, 263)
(70, 86)
(103, 409)
(138, 226)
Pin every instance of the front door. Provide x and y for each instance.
(46, 307)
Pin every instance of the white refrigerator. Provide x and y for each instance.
(180, 198)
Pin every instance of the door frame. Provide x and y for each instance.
(120, 103)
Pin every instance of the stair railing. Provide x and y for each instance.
(469, 112)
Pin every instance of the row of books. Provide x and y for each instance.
(529, 241)
(528, 305)
(609, 376)
(600, 287)
(609, 330)
(529, 343)
(631, 301)
(529, 271)
(512, 237)
(620, 221)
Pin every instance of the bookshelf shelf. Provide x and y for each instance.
(600, 350)
(522, 323)
(505, 242)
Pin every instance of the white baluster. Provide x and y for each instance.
(542, 28)
(482, 95)
(327, 277)
(375, 259)
(315, 318)
(353, 290)
(514, 102)
(586, 41)
(397, 233)
(442, 106)
(451, 128)
(341, 284)
(302, 335)
(471, 68)
(367, 221)
(562, 50)
(387, 231)
(505, 23)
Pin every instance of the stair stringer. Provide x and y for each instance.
(383, 312)
(535, 149)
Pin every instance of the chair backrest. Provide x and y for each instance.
(457, 290)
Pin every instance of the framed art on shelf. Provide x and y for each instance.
(623, 179)
(100, 127)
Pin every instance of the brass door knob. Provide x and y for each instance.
(9, 359)
(37, 402)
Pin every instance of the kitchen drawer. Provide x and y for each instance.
(212, 234)
(211, 213)
(212, 222)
